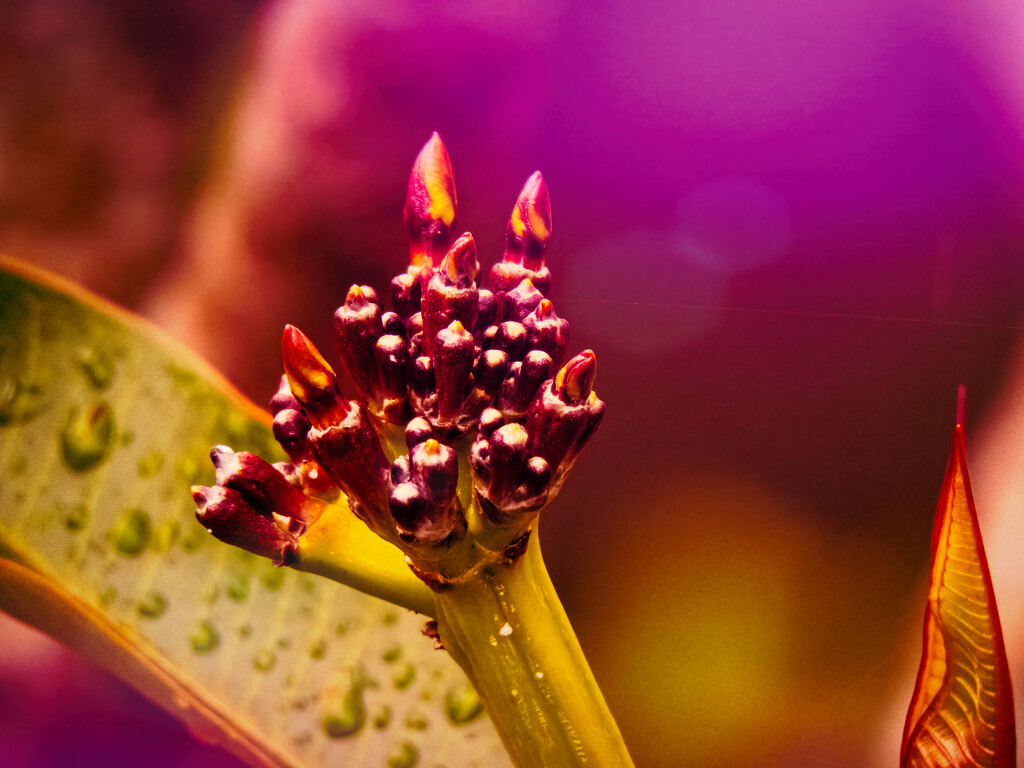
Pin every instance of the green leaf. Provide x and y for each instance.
(104, 426)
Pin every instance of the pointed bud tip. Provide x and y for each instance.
(530, 222)
(460, 263)
(199, 495)
(304, 366)
(431, 192)
(356, 298)
(576, 378)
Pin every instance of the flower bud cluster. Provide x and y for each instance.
(254, 506)
(475, 376)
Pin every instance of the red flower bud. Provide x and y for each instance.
(430, 204)
(312, 380)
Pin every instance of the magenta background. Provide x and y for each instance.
(789, 231)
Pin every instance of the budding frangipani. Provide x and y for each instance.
(452, 293)
(430, 204)
(291, 427)
(311, 379)
(526, 239)
(423, 489)
(254, 507)
(452, 364)
(357, 326)
(519, 466)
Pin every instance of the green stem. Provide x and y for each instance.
(507, 629)
(340, 547)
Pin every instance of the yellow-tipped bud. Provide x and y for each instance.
(430, 204)
(311, 379)
(529, 226)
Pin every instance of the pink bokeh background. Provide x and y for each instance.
(789, 231)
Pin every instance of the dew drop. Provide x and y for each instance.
(506, 630)
(347, 716)
(97, 366)
(153, 606)
(150, 464)
(238, 588)
(405, 677)
(206, 638)
(406, 757)
(87, 436)
(77, 518)
(319, 649)
(462, 703)
(19, 401)
(264, 661)
(274, 578)
(416, 722)
(131, 532)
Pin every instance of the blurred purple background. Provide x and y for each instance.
(789, 231)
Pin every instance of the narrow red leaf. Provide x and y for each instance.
(961, 714)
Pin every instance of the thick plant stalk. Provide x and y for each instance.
(507, 629)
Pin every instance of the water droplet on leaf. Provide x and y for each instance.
(406, 757)
(97, 366)
(346, 716)
(131, 532)
(462, 703)
(405, 677)
(150, 464)
(205, 638)
(77, 518)
(264, 661)
(416, 722)
(274, 578)
(87, 436)
(153, 606)
(238, 588)
(19, 400)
